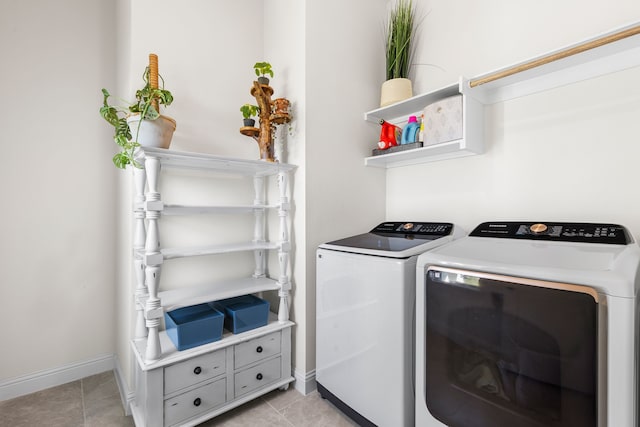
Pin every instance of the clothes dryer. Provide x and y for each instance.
(365, 307)
(525, 324)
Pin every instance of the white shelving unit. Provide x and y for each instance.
(606, 53)
(188, 387)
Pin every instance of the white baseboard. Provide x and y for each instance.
(37, 381)
(126, 396)
(305, 383)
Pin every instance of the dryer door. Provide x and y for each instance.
(504, 351)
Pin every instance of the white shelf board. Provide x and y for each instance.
(607, 58)
(203, 210)
(172, 253)
(431, 153)
(170, 354)
(192, 295)
(209, 162)
(399, 112)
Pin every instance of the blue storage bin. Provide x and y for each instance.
(194, 325)
(243, 313)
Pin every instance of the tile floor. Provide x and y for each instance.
(95, 402)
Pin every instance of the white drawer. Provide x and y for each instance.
(193, 371)
(256, 349)
(194, 402)
(253, 378)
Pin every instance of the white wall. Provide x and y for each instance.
(568, 154)
(284, 47)
(57, 246)
(344, 71)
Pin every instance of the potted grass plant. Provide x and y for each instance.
(400, 30)
(140, 123)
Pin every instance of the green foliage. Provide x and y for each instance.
(400, 30)
(262, 69)
(117, 117)
(249, 110)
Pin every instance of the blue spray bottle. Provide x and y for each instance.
(410, 131)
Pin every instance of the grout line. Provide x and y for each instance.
(280, 412)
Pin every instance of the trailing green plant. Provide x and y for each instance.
(262, 69)
(249, 110)
(400, 30)
(143, 105)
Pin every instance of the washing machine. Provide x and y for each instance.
(529, 324)
(365, 308)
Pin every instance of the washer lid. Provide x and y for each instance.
(395, 239)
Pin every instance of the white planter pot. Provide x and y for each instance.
(153, 133)
(395, 90)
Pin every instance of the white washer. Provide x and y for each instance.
(365, 306)
(525, 324)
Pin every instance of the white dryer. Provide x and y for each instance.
(526, 324)
(365, 308)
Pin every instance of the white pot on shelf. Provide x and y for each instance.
(395, 90)
(153, 133)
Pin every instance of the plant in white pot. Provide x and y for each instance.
(141, 123)
(398, 53)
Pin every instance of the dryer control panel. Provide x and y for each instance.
(555, 231)
(415, 228)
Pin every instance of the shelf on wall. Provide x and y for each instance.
(431, 153)
(472, 129)
(610, 52)
(400, 112)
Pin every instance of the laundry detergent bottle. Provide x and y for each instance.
(410, 131)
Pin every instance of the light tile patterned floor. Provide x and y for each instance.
(95, 402)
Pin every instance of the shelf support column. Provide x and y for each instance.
(259, 226)
(285, 247)
(139, 238)
(152, 259)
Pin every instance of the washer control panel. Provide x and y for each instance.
(415, 228)
(555, 231)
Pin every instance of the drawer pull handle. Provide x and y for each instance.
(197, 370)
(197, 402)
(259, 377)
(259, 349)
